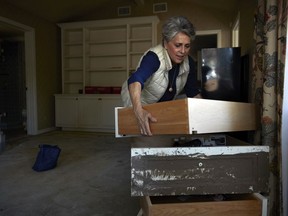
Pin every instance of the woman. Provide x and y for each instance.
(163, 73)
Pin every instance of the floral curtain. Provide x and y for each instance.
(267, 87)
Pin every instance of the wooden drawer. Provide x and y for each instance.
(236, 205)
(162, 171)
(190, 116)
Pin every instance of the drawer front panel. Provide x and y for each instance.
(187, 171)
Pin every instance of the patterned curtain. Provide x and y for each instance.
(267, 87)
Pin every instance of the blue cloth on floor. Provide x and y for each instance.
(47, 157)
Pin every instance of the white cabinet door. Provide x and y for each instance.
(66, 111)
(107, 109)
(89, 112)
(86, 112)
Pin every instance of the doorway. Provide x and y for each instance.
(11, 29)
(204, 39)
(12, 85)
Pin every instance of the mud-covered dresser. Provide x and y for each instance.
(190, 166)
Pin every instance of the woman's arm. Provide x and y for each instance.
(149, 64)
(143, 117)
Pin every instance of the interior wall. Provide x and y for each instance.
(48, 69)
(246, 31)
(246, 40)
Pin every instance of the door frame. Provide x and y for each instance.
(30, 71)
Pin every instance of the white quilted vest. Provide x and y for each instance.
(156, 85)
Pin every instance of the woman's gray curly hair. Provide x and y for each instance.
(177, 24)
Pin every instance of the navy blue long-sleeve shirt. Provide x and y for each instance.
(150, 64)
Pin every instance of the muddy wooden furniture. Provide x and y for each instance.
(168, 171)
(190, 116)
(231, 168)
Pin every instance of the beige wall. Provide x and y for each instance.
(246, 40)
(48, 74)
(48, 65)
(203, 18)
(246, 25)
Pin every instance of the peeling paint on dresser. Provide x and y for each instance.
(203, 170)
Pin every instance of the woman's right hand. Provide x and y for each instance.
(144, 118)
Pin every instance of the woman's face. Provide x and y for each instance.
(178, 48)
